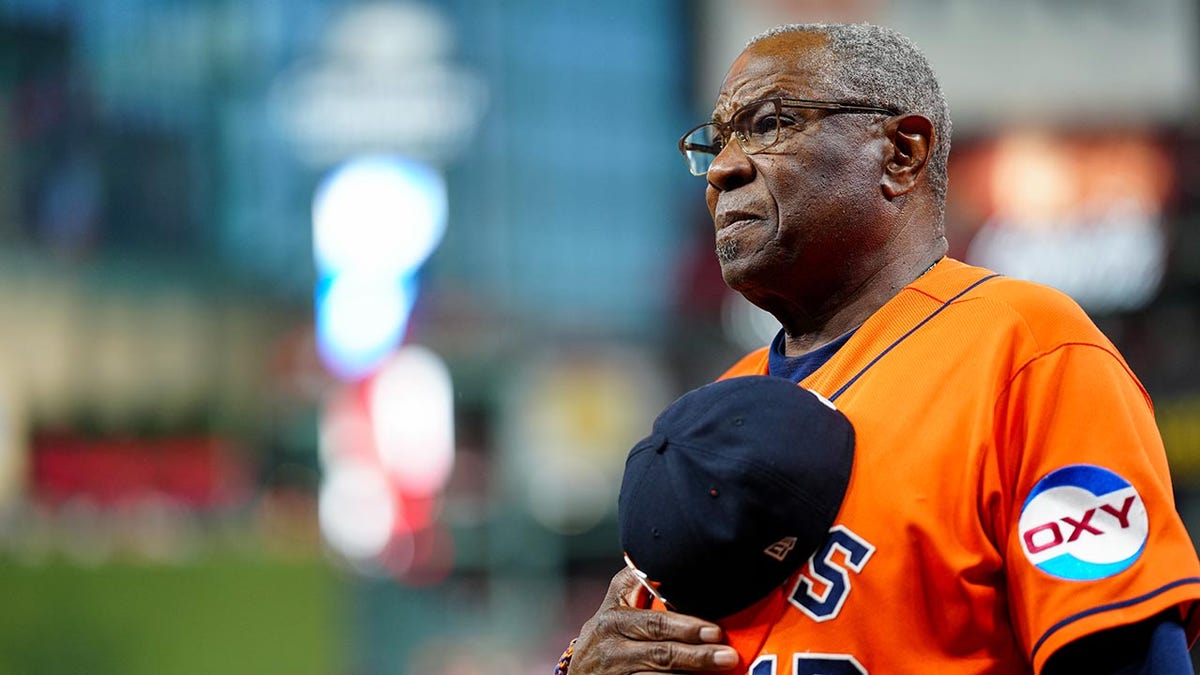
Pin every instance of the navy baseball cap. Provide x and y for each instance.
(734, 489)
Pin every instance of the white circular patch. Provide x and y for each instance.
(1083, 522)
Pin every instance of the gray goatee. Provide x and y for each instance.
(726, 251)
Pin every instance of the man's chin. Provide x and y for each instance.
(736, 272)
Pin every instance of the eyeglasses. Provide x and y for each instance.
(756, 126)
(649, 585)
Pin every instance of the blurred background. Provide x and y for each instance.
(328, 324)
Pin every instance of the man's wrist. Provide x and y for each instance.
(564, 661)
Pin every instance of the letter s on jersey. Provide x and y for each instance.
(826, 604)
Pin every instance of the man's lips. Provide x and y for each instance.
(730, 223)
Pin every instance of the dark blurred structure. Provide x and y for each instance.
(186, 485)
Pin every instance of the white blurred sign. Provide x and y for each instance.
(382, 83)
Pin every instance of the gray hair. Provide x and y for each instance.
(877, 66)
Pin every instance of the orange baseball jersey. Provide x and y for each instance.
(1010, 492)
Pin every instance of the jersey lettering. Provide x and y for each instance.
(1122, 516)
(763, 665)
(808, 663)
(825, 604)
(1081, 525)
(1048, 535)
(826, 664)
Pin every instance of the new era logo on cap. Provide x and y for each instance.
(781, 548)
(733, 470)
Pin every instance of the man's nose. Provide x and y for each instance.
(730, 168)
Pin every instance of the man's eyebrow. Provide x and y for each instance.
(723, 104)
(716, 109)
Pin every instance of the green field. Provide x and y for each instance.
(224, 615)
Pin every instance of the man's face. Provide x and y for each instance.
(798, 219)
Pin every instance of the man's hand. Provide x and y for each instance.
(624, 637)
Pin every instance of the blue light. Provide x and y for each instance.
(375, 221)
(361, 318)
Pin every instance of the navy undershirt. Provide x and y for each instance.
(796, 368)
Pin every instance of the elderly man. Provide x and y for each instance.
(1010, 508)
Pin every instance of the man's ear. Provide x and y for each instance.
(911, 140)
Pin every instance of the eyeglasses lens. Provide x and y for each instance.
(700, 147)
(757, 126)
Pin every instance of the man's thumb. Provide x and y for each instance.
(630, 591)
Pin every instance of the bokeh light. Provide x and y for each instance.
(378, 215)
(375, 221)
(357, 511)
(412, 413)
(360, 319)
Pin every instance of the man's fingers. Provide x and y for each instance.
(623, 637)
(673, 655)
(667, 657)
(652, 657)
(660, 657)
(654, 626)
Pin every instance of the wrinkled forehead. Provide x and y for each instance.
(792, 65)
